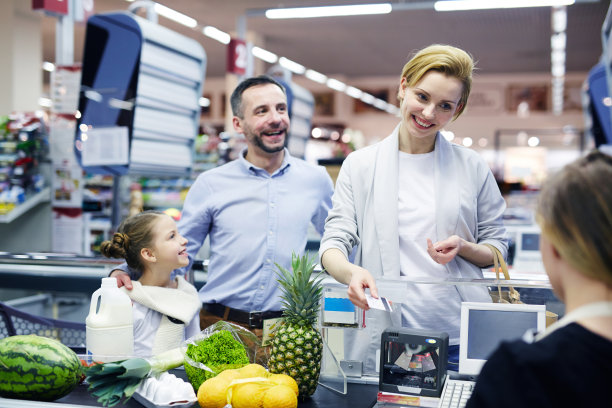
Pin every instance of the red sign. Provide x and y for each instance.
(51, 6)
(237, 56)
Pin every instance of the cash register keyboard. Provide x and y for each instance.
(456, 393)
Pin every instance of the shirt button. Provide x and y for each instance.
(262, 287)
(268, 260)
(271, 232)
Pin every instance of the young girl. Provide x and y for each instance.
(165, 310)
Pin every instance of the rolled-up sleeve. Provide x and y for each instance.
(491, 207)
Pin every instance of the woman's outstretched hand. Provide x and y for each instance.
(360, 280)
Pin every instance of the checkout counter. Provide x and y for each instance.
(358, 396)
(59, 274)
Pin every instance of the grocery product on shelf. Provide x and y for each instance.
(23, 146)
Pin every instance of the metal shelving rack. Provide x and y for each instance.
(41, 197)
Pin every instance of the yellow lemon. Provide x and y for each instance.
(285, 380)
(213, 393)
(280, 396)
(229, 375)
(253, 370)
(248, 395)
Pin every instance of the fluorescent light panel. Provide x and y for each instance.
(48, 66)
(315, 76)
(336, 85)
(353, 92)
(380, 104)
(558, 41)
(392, 109)
(292, 65)
(329, 11)
(46, 102)
(216, 34)
(559, 20)
(175, 16)
(368, 98)
(264, 55)
(454, 5)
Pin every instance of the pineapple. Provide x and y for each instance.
(297, 345)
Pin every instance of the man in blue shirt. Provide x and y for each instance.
(256, 211)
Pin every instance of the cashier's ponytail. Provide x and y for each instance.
(134, 234)
(575, 214)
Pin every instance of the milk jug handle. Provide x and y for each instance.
(95, 300)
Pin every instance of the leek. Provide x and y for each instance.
(110, 382)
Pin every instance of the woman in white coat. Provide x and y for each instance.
(415, 205)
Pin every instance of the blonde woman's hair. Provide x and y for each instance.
(575, 214)
(449, 60)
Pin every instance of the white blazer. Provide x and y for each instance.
(364, 218)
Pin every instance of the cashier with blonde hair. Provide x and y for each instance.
(569, 364)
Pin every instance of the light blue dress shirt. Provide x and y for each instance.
(254, 220)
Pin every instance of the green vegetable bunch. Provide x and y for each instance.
(210, 355)
(111, 382)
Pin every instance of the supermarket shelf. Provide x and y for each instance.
(43, 196)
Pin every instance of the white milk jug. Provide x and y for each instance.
(109, 327)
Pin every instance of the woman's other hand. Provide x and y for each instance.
(444, 251)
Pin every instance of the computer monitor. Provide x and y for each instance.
(485, 325)
(529, 244)
(527, 255)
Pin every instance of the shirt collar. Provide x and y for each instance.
(287, 160)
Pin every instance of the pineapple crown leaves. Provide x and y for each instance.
(301, 295)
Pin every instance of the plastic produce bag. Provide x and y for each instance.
(219, 347)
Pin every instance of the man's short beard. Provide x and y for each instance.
(259, 143)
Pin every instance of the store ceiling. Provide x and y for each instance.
(503, 41)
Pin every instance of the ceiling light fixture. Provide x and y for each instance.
(216, 34)
(175, 16)
(329, 11)
(48, 66)
(45, 102)
(454, 5)
(315, 76)
(368, 98)
(380, 104)
(336, 85)
(264, 55)
(392, 109)
(558, 41)
(292, 66)
(353, 92)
